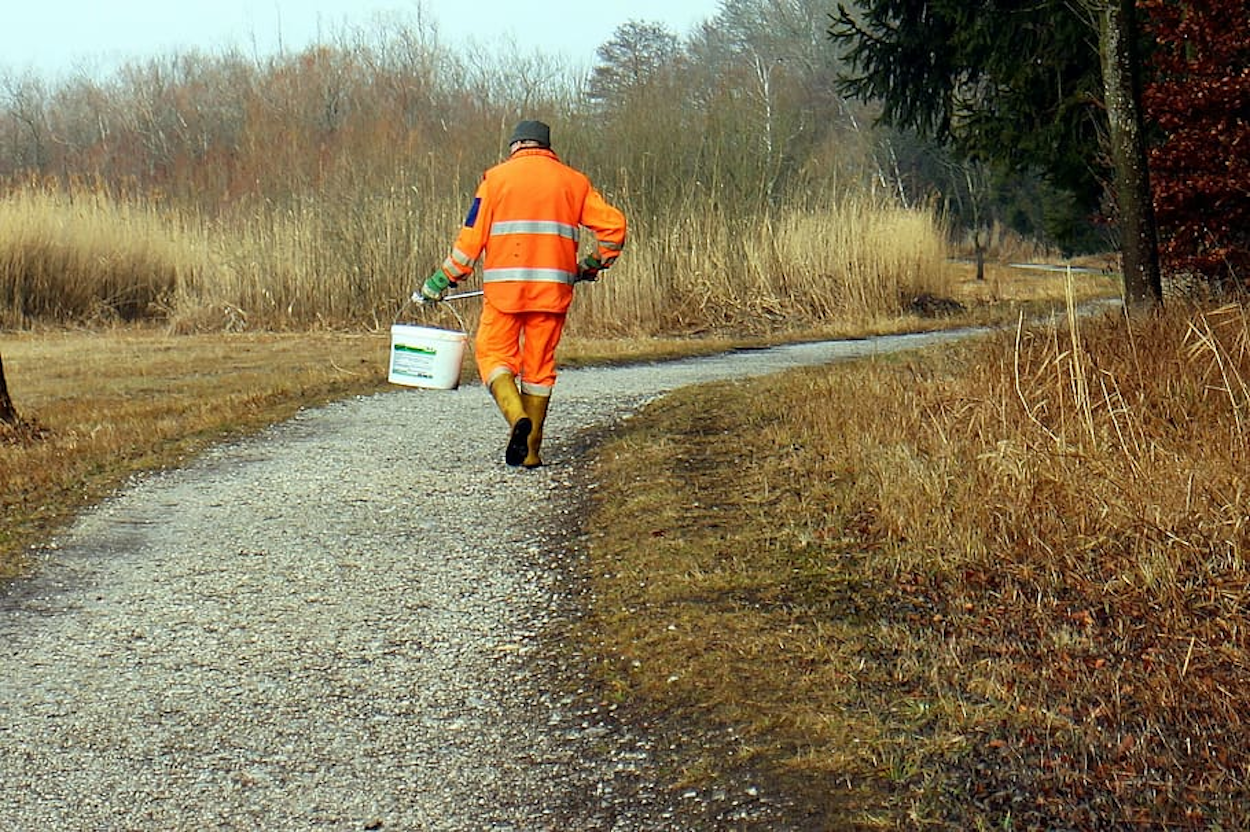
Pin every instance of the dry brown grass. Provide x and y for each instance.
(1002, 586)
(105, 405)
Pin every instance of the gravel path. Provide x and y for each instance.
(342, 624)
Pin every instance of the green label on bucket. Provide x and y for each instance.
(418, 350)
(414, 361)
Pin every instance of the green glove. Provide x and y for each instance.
(589, 268)
(435, 287)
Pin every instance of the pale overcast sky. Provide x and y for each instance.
(53, 37)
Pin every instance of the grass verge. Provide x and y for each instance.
(1002, 585)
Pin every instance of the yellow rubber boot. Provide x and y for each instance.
(536, 410)
(504, 389)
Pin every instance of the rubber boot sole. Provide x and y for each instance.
(519, 442)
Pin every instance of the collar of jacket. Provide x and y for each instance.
(535, 151)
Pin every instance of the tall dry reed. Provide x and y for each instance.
(79, 255)
(350, 257)
(703, 268)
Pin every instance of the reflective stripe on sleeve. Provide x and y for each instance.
(457, 264)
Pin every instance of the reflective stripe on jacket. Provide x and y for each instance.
(524, 224)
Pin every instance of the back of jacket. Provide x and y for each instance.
(524, 224)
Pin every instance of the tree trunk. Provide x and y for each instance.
(980, 238)
(8, 415)
(1121, 72)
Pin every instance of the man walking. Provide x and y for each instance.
(524, 223)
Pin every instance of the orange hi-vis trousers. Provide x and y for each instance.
(520, 343)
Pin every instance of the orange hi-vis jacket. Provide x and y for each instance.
(526, 218)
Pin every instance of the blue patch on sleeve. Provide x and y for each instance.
(471, 220)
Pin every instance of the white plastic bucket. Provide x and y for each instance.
(422, 356)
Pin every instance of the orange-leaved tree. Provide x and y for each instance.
(1200, 98)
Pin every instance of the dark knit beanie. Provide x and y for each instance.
(531, 131)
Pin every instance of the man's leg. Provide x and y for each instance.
(538, 375)
(498, 357)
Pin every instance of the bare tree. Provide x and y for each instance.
(25, 103)
(972, 189)
(633, 57)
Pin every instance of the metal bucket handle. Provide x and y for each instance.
(440, 303)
